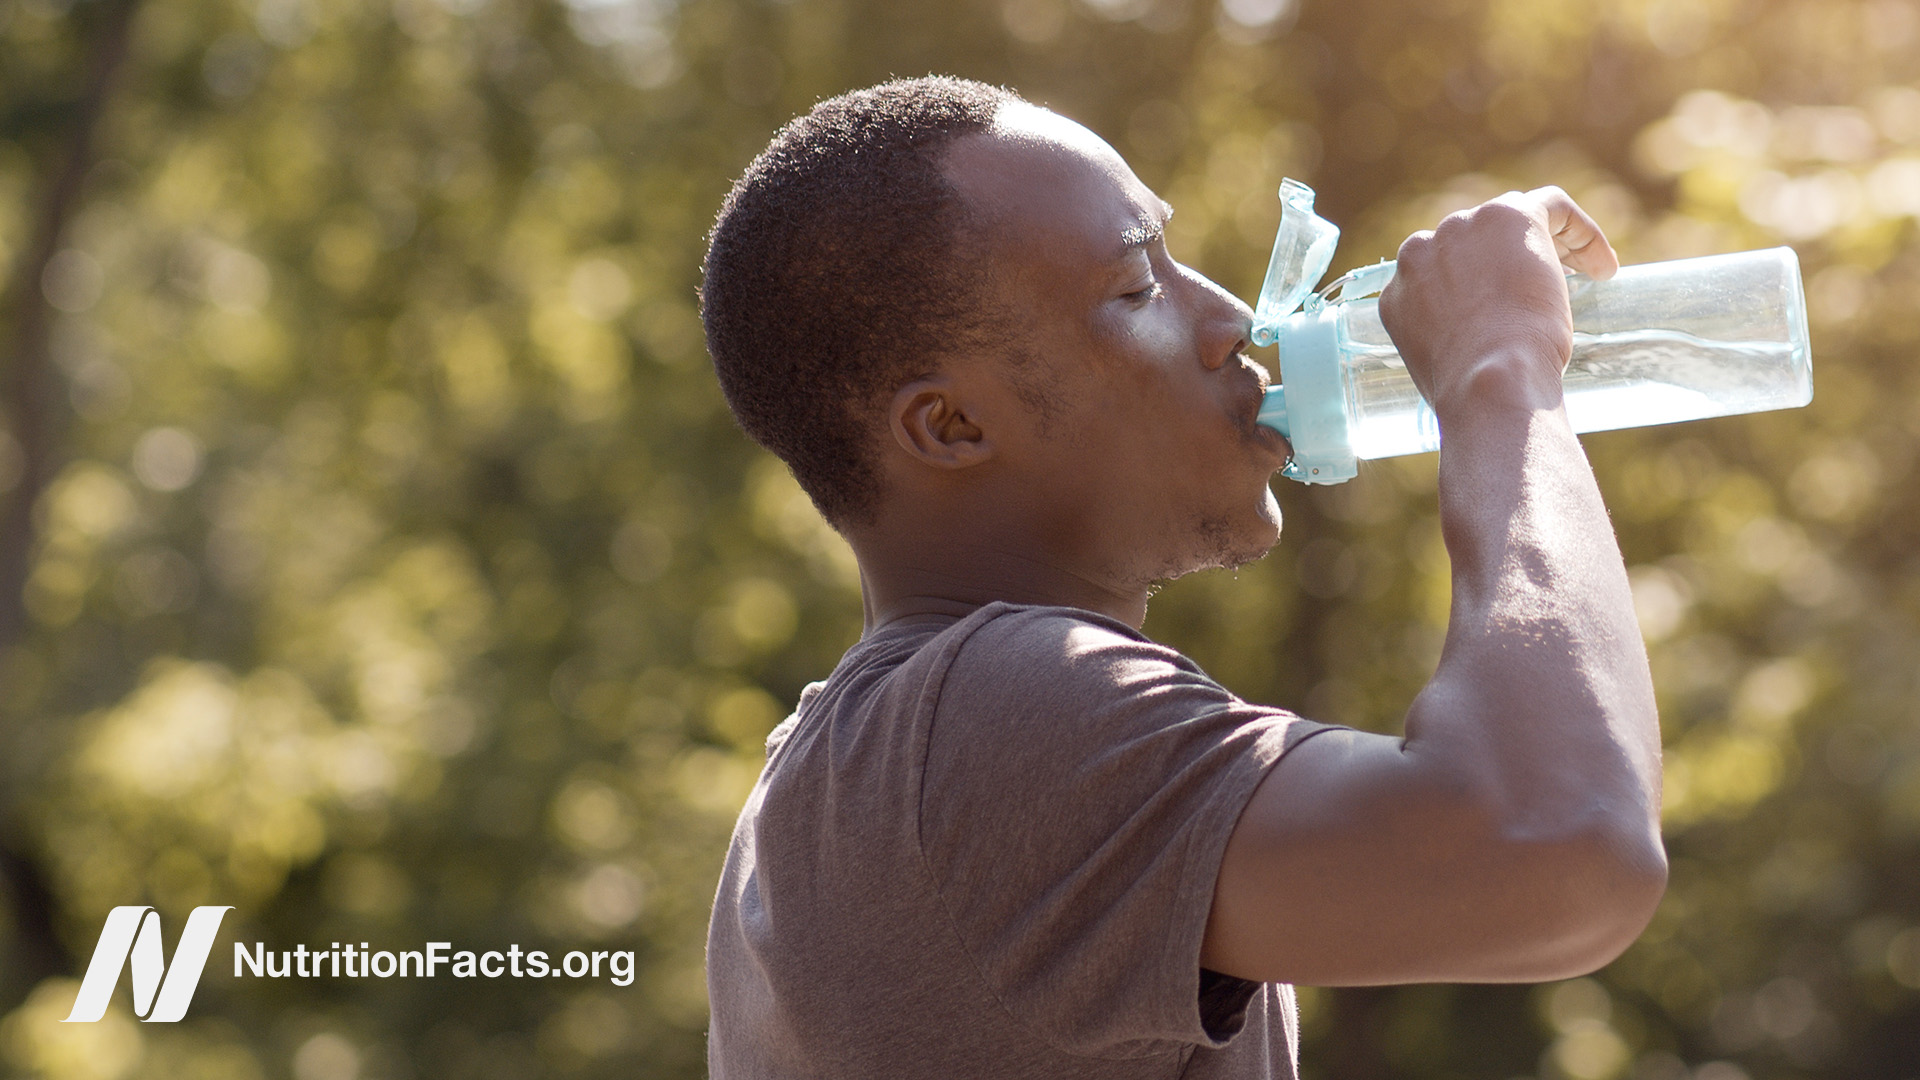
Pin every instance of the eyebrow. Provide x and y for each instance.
(1147, 231)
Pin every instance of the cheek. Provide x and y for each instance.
(1158, 327)
(1163, 334)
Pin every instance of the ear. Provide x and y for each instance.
(933, 427)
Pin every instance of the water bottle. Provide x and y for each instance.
(1655, 344)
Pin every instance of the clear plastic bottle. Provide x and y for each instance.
(1656, 344)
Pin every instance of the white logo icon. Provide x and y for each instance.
(131, 938)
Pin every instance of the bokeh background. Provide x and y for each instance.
(377, 555)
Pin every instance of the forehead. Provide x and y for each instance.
(1044, 190)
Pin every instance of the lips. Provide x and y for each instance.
(1255, 431)
(1274, 442)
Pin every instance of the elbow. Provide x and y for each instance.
(1602, 889)
(1635, 880)
(1543, 898)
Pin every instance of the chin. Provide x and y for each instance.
(1270, 512)
(1237, 557)
(1230, 543)
(1263, 536)
(1222, 538)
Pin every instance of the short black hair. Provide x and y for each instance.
(837, 272)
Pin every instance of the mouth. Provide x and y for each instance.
(1255, 395)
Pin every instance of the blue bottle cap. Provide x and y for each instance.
(1302, 251)
(1309, 407)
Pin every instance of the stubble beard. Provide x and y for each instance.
(1217, 545)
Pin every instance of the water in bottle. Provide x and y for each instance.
(1655, 344)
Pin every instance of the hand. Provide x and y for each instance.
(1478, 306)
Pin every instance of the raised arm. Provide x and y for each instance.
(1513, 834)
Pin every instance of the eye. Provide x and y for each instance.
(1141, 296)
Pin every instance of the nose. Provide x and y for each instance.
(1228, 321)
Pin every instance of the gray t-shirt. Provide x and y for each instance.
(986, 848)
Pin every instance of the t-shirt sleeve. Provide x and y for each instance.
(1079, 789)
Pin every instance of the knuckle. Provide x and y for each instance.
(1506, 211)
(1493, 218)
(1504, 203)
(1416, 245)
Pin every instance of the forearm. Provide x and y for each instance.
(1543, 694)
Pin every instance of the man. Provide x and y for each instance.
(1012, 837)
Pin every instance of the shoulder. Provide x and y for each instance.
(1048, 681)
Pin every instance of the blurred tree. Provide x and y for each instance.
(400, 576)
(89, 57)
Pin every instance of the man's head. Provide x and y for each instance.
(1016, 367)
(836, 272)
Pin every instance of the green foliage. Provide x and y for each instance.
(404, 579)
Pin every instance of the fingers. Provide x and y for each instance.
(1577, 239)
